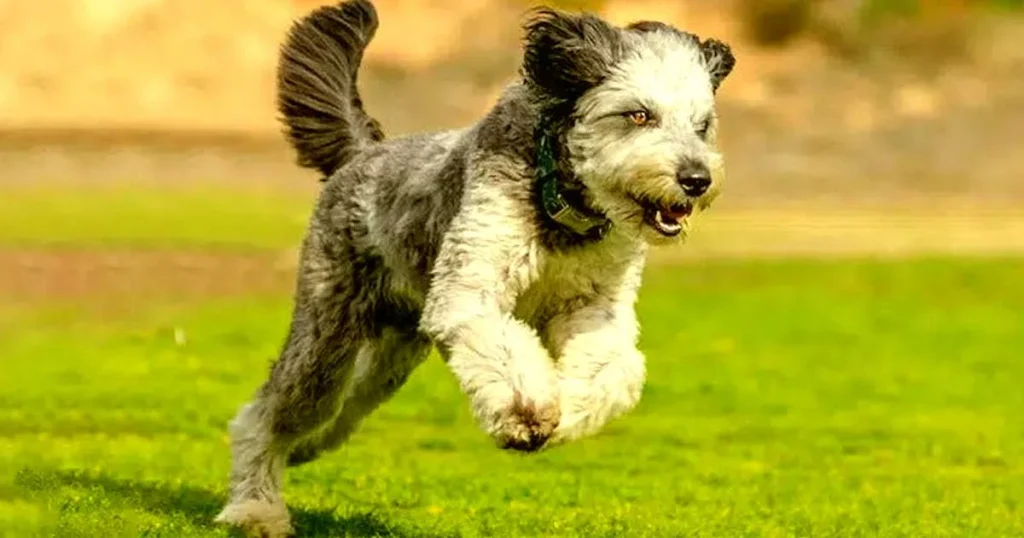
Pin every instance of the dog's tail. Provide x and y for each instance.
(316, 85)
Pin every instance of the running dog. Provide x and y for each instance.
(515, 245)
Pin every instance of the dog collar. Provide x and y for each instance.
(556, 207)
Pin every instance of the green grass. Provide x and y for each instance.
(785, 399)
(124, 216)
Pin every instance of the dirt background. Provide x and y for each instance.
(837, 139)
(100, 89)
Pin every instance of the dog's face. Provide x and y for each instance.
(641, 131)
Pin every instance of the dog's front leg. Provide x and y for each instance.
(508, 377)
(499, 361)
(601, 371)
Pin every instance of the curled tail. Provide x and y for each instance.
(316, 85)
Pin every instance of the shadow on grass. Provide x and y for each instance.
(199, 506)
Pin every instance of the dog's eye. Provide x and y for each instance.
(639, 117)
(702, 128)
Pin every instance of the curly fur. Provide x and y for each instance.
(437, 240)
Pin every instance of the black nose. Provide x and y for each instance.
(694, 181)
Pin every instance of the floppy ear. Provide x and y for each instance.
(567, 54)
(719, 60)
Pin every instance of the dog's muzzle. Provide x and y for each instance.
(668, 218)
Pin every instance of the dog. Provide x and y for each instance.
(514, 246)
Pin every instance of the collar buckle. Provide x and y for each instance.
(555, 205)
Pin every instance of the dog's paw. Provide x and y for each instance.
(257, 519)
(571, 426)
(526, 425)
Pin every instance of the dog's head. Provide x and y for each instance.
(635, 112)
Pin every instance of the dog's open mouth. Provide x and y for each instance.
(666, 220)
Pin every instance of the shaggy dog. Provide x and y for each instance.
(515, 246)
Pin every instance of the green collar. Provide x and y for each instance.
(579, 221)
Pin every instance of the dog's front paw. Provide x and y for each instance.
(525, 424)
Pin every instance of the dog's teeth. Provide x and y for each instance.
(660, 217)
(667, 227)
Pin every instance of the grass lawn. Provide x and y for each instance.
(786, 398)
(126, 216)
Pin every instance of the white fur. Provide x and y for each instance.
(616, 160)
(512, 318)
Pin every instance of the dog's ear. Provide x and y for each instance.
(719, 60)
(567, 54)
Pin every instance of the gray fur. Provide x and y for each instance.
(316, 82)
(438, 239)
(719, 58)
(566, 56)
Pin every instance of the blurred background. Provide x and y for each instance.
(849, 125)
(150, 213)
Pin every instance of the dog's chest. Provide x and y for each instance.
(568, 280)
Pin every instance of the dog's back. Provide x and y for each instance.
(316, 81)
(390, 201)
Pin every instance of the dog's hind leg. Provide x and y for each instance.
(257, 464)
(302, 396)
(382, 367)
